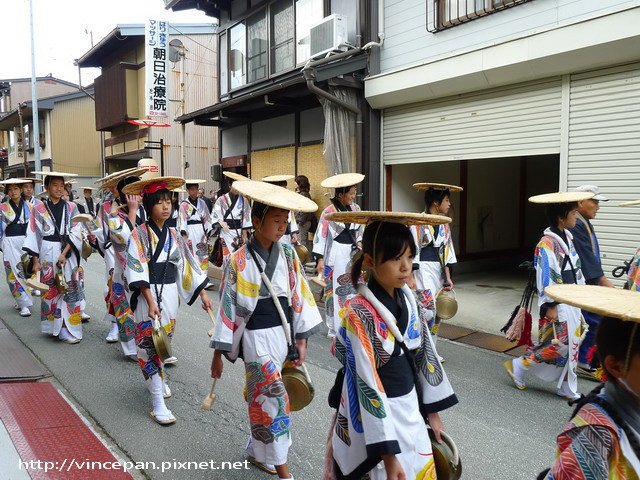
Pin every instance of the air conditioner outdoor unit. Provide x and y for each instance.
(328, 35)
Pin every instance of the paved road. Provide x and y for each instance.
(503, 434)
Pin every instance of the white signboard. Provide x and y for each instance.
(157, 68)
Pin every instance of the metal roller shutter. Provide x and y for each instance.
(522, 119)
(604, 150)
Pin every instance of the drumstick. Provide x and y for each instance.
(213, 320)
(209, 399)
(555, 340)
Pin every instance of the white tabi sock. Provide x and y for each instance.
(155, 386)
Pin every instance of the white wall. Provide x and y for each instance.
(234, 141)
(407, 41)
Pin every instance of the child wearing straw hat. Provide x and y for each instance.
(602, 440)
(335, 244)
(159, 270)
(14, 220)
(55, 243)
(561, 328)
(291, 235)
(393, 383)
(194, 223)
(264, 279)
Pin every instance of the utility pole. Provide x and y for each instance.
(34, 99)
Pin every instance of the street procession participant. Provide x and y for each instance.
(14, 220)
(555, 356)
(28, 188)
(86, 203)
(633, 277)
(602, 440)
(160, 268)
(435, 255)
(249, 325)
(233, 213)
(335, 244)
(194, 223)
(291, 235)
(393, 385)
(104, 246)
(55, 243)
(124, 217)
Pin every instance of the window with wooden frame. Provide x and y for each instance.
(443, 14)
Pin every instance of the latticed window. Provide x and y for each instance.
(448, 13)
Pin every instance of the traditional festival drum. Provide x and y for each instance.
(317, 285)
(446, 457)
(303, 253)
(298, 384)
(27, 264)
(446, 304)
(161, 340)
(61, 282)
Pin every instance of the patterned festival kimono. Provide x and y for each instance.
(236, 212)
(249, 327)
(292, 228)
(556, 262)
(105, 248)
(120, 229)
(633, 282)
(380, 411)
(593, 446)
(45, 240)
(434, 247)
(194, 220)
(14, 220)
(161, 261)
(337, 242)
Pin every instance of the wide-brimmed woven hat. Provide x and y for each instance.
(609, 302)
(179, 190)
(32, 179)
(278, 178)
(13, 181)
(406, 218)
(342, 180)
(115, 178)
(88, 188)
(193, 181)
(152, 185)
(437, 186)
(57, 174)
(71, 182)
(561, 197)
(632, 203)
(115, 174)
(275, 196)
(235, 176)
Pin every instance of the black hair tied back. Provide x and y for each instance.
(383, 241)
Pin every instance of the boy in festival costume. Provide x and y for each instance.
(394, 384)
(291, 234)
(14, 220)
(194, 223)
(336, 244)
(160, 269)
(233, 213)
(602, 440)
(55, 243)
(249, 325)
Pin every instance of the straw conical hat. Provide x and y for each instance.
(407, 218)
(342, 180)
(32, 179)
(632, 203)
(192, 181)
(437, 186)
(115, 178)
(88, 188)
(609, 302)
(235, 176)
(561, 197)
(115, 174)
(278, 178)
(56, 174)
(138, 188)
(274, 196)
(13, 181)
(179, 190)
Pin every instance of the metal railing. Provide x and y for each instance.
(443, 14)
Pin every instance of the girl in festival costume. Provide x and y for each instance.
(555, 356)
(335, 244)
(194, 223)
(160, 268)
(14, 220)
(393, 381)
(55, 243)
(249, 325)
(435, 255)
(232, 213)
(602, 440)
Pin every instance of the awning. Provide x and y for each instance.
(132, 155)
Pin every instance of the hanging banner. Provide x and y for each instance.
(156, 68)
